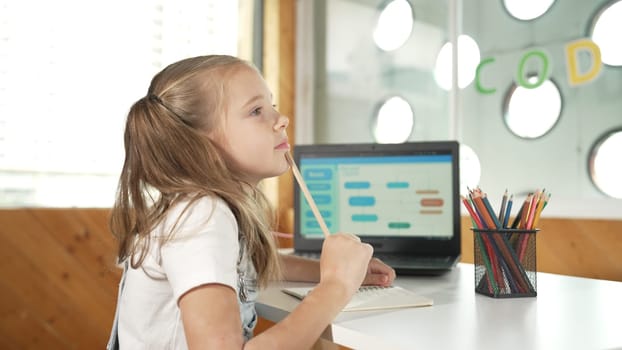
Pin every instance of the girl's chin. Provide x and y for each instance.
(283, 170)
(275, 173)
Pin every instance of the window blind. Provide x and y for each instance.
(69, 71)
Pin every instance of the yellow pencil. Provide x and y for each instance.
(541, 203)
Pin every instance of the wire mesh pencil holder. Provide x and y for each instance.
(505, 262)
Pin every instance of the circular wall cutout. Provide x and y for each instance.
(531, 113)
(393, 122)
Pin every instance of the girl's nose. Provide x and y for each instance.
(281, 123)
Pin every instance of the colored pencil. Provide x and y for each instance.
(532, 209)
(518, 216)
(484, 247)
(508, 210)
(504, 201)
(307, 194)
(539, 209)
(498, 244)
(487, 224)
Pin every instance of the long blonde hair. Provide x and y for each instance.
(170, 159)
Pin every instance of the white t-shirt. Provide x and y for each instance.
(205, 249)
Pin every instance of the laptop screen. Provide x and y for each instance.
(399, 196)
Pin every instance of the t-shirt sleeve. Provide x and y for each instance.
(204, 249)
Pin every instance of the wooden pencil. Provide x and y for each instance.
(307, 194)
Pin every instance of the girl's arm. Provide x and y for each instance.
(211, 319)
(342, 268)
(299, 269)
(211, 314)
(305, 324)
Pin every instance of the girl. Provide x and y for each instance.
(194, 229)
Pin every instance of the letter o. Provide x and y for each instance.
(522, 80)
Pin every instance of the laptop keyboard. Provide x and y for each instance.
(310, 255)
(409, 260)
(398, 260)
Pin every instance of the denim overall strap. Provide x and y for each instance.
(113, 342)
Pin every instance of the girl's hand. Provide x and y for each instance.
(379, 273)
(345, 262)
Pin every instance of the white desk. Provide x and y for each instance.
(568, 313)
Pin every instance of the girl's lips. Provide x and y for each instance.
(284, 145)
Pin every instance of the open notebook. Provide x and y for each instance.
(373, 298)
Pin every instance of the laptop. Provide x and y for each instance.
(403, 199)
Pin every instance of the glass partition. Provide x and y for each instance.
(366, 51)
(541, 88)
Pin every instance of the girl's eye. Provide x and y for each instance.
(256, 111)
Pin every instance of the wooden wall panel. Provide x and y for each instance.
(59, 280)
(31, 312)
(589, 248)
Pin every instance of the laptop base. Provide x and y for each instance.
(405, 265)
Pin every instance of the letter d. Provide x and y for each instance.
(575, 77)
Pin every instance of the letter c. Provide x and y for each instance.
(478, 85)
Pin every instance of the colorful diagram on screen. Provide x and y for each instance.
(380, 196)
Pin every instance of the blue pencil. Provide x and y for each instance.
(490, 211)
(508, 210)
(502, 209)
